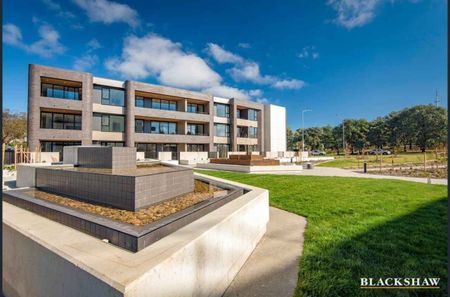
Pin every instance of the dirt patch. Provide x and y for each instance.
(202, 191)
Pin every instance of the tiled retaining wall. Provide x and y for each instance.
(125, 192)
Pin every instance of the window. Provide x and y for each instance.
(139, 101)
(242, 131)
(195, 129)
(60, 91)
(108, 122)
(196, 148)
(152, 149)
(252, 115)
(238, 113)
(252, 132)
(155, 103)
(139, 126)
(222, 110)
(109, 96)
(155, 127)
(195, 108)
(53, 120)
(57, 146)
(109, 143)
(222, 130)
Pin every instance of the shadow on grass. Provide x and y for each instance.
(414, 245)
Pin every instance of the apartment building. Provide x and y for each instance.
(68, 107)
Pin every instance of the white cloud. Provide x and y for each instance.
(354, 13)
(246, 70)
(256, 93)
(156, 56)
(308, 51)
(222, 56)
(52, 5)
(262, 100)
(85, 62)
(289, 84)
(109, 12)
(228, 92)
(93, 44)
(48, 45)
(244, 45)
(12, 35)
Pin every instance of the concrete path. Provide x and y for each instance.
(330, 171)
(272, 269)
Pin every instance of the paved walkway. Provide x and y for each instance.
(272, 269)
(330, 171)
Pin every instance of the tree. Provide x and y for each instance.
(328, 140)
(313, 138)
(14, 127)
(356, 134)
(291, 142)
(430, 125)
(378, 133)
(337, 138)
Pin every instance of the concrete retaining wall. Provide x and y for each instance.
(42, 258)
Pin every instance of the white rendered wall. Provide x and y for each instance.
(275, 128)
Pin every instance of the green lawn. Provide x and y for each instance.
(362, 228)
(355, 161)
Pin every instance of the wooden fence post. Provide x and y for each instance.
(3, 154)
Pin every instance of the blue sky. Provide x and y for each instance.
(340, 58)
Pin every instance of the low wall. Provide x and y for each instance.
(165, 156)
(42, 258)
(193, 157)
(250, 169)
(241, 153)
(140, 156)
(44, 157)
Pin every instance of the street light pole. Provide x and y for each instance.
(303, 129)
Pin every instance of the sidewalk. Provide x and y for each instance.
(272, 269)
(330, 171)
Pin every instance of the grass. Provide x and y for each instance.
(406, 159)
(362, 228)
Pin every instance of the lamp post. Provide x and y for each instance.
(303, 129)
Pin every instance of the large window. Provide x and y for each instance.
(196, 148)
(222, 130)
(195, 129)
(252, 132)
(60, 91)
(152, 149)
(252, 115)
(155, 103)
(196, 108)
(155, 127)
(109, 96)
(57, 146)
(108, 122)
(222, 110)
(109, 143)
(53, 120)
